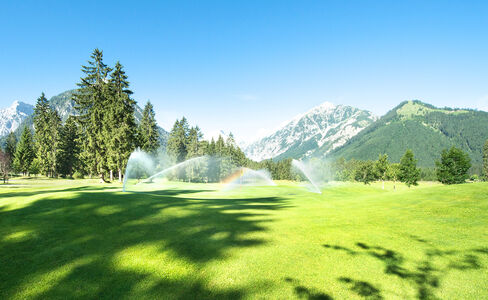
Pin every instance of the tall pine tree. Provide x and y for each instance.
(92, 101)
(381, 166)
(148, 134)
(409, 173)
(41, 135)
(68, 148)
(178, 141)
(54, 130)
(121, 119)
(25, 152)
(11, 145)
(47, 124)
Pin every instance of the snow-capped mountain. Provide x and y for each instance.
(11, 117)
(317, 132)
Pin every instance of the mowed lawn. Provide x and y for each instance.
(79, 239)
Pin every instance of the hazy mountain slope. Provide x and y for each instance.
(423, 128)
(320, 130)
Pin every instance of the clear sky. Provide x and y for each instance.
(248, 66)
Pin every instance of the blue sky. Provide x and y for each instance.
(248, 66)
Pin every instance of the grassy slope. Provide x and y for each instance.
(60, 238)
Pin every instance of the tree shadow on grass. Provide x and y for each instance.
(50, 191)
(362, 288)
(81, 242)
(303, 292)
(425, 276)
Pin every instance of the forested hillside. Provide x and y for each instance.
(425, 129)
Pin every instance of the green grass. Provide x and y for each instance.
(80, 239)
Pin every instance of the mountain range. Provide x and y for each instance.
(316, 132)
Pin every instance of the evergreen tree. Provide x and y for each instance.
(148, 134)
(11, 145)
(54, 132)
(178, 140)
(453, 166)
(123, 128)
(24, 153)
(5, 165)
(381, 166)
(92, 101)
(409, 173)
(211, 147)
(485, 160)
(193, 143)
(194, 170)
(41, 135)
(34, 167)
(68, 148)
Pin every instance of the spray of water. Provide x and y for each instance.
(307, 172)
(247, 177)
(175, 167)
(148, 173)
(139, 164)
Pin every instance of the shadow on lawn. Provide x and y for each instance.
(81, 238)
(306, 293)
(48, 190)
(425, 276)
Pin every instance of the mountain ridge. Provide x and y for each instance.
(422, 127)
(325, 126)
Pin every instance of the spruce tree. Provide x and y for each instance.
(409, 173)
(68, 148)
(122, 132)
(193, 143)
(54, 130)
(47, 125)
(5, 165)
(485, 160)
(148, 134)
(453, 166)
(178, 140)
(92, 101)
(24, 153)
(11, 145)
(41, 135)
(381, 166)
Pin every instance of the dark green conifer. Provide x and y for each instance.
(409, 173)
(148, 134)
(92, 101)
(25, 152)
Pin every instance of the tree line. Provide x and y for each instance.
(452, 168)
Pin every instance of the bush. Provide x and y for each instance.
(78, 175)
